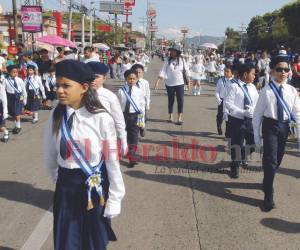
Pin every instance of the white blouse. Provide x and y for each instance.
(96, 136)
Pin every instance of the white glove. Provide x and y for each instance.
(249, 113)
(109, 216)
(124, 147)
(24, 102)
(219, 101)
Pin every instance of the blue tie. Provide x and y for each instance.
(127, 106)
(246, 100)
(279, 105)
(64, 145)
(15, 83)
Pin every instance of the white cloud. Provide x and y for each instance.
(175, 33)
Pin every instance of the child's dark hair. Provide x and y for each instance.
(138, 66)
(51, 69)
(129, 72)
(245, 68)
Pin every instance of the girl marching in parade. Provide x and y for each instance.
(16, 96)
(277, 109)
(80, 153)
(50, 86)
(197, 75)
(35, 92)
(132, 103)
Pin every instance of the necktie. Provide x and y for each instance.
(246, 100)
(280, 106)
(64, 145)
(127, 107)
(15, 83)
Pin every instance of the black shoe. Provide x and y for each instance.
(179, 123)
(268, 203)
(220, 132)
(16, 130)
(234, 172)
(132, 164)
(5, 138)
(244, 163)
(142, 132)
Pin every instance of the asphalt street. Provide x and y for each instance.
(179, 197)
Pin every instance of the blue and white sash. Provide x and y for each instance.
(94, 178)
(282, 103)
(36, 90)
(245, 93)
(17, 91)
(140, 119)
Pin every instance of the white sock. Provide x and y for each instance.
(18, 124)
(35, 116)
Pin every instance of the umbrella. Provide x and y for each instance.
(56, 41)
(209, 46)
(101, 46)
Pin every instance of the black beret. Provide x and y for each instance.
(278, 59)
(129, 72)
(31, 66)
(11, 67)
(75, 71)
(98, 68)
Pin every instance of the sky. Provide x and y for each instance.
(202, 17)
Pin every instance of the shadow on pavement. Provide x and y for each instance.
(26, 193)
(281, 225)
(214, 188)
(7, 248)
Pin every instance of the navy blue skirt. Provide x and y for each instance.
(33, 102)
(75, 227)
(14, 104)
(2, 123)
(51, 95)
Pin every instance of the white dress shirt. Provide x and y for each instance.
(36, 81)
(143, 84)
(111, 103)
(93, 133)
(50, 82)
(8, 83)
(221, 88)
(235, 99)
(3, 102)
(137, 96)
(173, 73)
(267, 106)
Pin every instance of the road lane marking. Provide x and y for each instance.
(41, 232)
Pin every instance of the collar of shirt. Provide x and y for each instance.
(80, 113)
(278, 84)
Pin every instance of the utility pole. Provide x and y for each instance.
(116, 27)
(15, 18)
(143, 21)
(242, 32)
(82, 30)
(91, 28)
(70, 21)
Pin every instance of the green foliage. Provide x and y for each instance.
(232, 40)
(281, 27)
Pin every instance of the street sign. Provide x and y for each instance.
(104, 28)
(31, 18)
(153, 28)
(127, 27)
(129, 3)
(151, 13)
(112, 7)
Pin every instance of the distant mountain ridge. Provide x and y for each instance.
(199, 40)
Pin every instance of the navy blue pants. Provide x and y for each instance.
(275, 135)
(132, 134)
(220, 115)
(75, 227)
(2, 121)
(179, 92)
(241, 135)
